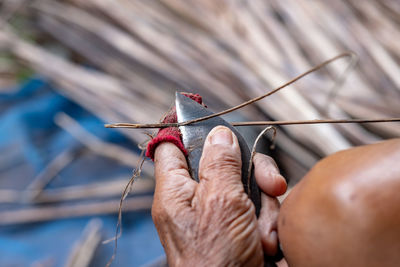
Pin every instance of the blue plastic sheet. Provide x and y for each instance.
(29, 140)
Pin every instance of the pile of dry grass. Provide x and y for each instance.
(141, 52)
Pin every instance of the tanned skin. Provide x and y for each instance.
(346, 210)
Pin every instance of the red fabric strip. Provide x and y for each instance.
(170, 134)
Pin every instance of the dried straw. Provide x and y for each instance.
(141, 52)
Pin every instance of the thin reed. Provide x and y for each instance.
(140, 52)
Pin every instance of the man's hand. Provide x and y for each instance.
(213, 222)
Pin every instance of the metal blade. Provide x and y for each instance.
(195, 134)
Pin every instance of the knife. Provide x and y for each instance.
(194, 135)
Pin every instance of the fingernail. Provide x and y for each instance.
(221, 136)
(278, 176)
(273, 237)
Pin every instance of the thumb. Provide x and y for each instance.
(220, 164)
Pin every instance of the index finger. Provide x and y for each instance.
(173, 181)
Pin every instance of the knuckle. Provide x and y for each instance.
(166, 210)
(245, 203)
(178, 172)
(158, 213)
(229, 201)
(222, 163)
(266, 162)
(160, 210)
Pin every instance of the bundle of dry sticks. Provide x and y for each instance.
(141, 52)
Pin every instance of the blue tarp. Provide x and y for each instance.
(29, 140)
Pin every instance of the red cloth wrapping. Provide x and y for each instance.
(170, 134)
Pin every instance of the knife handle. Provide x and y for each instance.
(254, 193)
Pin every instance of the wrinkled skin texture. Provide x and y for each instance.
(346, 210)
(213, 222)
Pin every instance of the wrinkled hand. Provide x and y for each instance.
(213, 222)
